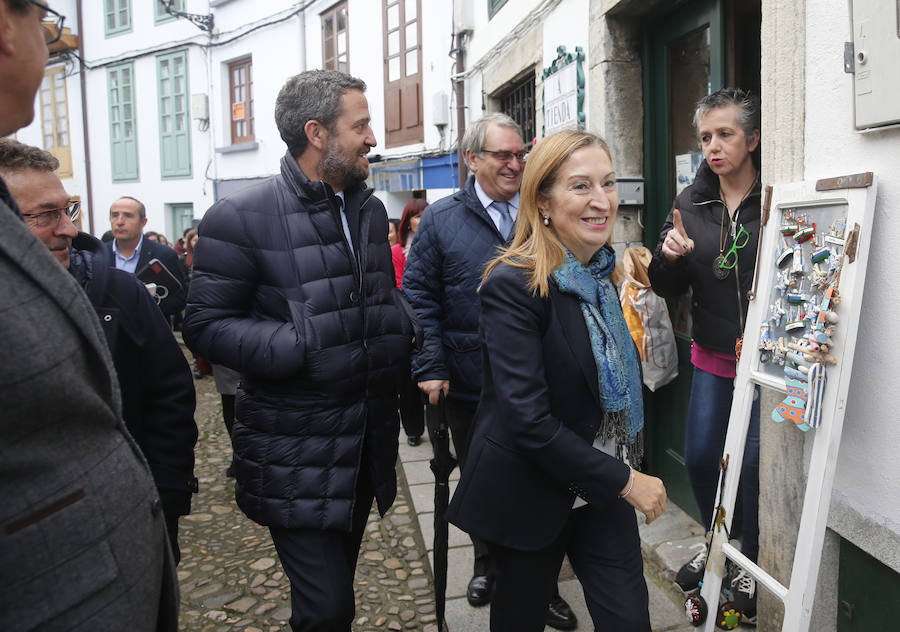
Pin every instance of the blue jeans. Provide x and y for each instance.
(708, 413)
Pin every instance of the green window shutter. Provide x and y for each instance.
(494, 6)
(116, 16)
(160, 14)
(122, 123)
(174, 118)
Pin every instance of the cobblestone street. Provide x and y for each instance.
(230, 576)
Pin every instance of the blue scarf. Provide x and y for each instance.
(618, 364)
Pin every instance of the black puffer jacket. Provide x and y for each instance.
(319, 335)
(157, 387)
(718, 308)
(455, 240)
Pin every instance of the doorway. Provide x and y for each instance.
(688, 52)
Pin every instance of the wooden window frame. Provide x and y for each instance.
(111, 7)
(174, 165)
(331, 56)
(124, 96)
(404, 123)
(247, 103)
(48, 100)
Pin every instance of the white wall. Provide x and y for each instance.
(868, 470)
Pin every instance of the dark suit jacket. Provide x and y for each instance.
(530, 451)
(173, 303)
(82, 539)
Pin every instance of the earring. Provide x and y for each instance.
(546, 220)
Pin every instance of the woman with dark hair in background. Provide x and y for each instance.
(558, 431)
(412, 411)
(409, 222)
(708, 245)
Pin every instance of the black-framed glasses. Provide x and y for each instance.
(51, 217)
(506, 156)
(731, 257)
(51, 35)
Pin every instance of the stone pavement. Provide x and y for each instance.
(230, 576)
(231, 579)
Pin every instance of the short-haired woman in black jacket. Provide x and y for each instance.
(708, 245)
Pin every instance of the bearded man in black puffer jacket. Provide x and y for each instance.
(293, 287)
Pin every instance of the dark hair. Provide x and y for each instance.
(20, 6)
(749, 116)
(314, 95)
(15, 156)
(107, 237)
(142, 210)
(414, 208)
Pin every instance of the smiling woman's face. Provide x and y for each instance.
(583, 202)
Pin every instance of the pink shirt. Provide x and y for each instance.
(715, 362)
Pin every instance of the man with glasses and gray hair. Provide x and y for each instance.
(82, 533)
(457, 235)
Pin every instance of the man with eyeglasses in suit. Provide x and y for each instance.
(82, 534)
(158, 397)
(457, 236)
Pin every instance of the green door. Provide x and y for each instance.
(683, 51)
(868, 592)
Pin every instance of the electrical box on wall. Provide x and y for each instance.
(200, 107)
(876, 62)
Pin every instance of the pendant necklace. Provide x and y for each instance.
(719, 272)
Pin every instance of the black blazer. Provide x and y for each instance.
(530, 452)
(174, 302)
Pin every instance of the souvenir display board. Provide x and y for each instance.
(799, 339)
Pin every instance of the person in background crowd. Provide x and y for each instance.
(456, 237)
(392, 232)
(163, 240)
(131, 252)
(201, 368)
(157, 391)
(107, 237)
(179, 245)
(293, 288)
(412, 410)
(409, 222)
(227, 381)
(152, 235)
(561, 408)
(83, 544)
(719, 213)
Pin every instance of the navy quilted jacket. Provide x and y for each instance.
(319, 336)
(455, 240)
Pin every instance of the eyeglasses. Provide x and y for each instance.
(731, 257)
(506, 156)
(50, 36)
(51, 217)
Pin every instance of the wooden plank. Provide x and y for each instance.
(854, 181)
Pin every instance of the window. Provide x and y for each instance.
(174, 121)
(118, 16)
(518, 103)
(335, 55)
(160, 14)
(55, 118)
(122, 130)
(240, 89)
(494, 6)
(402, 73)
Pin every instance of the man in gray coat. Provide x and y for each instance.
(82, 537)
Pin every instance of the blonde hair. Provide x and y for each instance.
(535, 247)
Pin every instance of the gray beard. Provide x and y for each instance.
(338, 169)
